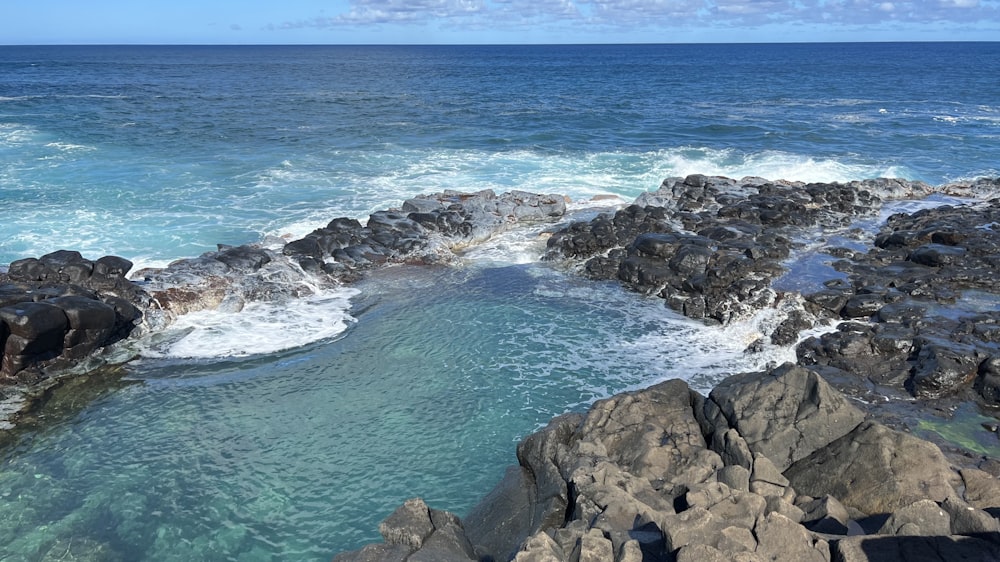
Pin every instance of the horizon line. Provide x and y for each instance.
(512, 44)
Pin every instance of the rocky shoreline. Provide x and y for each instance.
(801, 461)
(62, 314)
(775, 465)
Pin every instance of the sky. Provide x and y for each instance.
(35, 22)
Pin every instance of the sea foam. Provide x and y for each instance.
(259, 328)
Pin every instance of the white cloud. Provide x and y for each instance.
(595, 15)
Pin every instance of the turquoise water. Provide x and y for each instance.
(289, 430)
(299, 455)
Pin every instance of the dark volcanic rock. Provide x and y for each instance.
(425, 230)
(63, 306)
(710, 246)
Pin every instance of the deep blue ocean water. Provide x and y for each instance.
(420, 381)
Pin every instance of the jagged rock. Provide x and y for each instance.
(409, 525)
(742, 231)
(776, 504)
(593, 547)
(701, 553)
(36, 331)
(826, 515)
(780, 538)
(732, 507)
(967, 520)
(376, 553)
(785, 414)
(766, 479)
(943, 366)
(735, 476)
(90, 323)
(540, 548)
(416, 533)
(631, 430)
(875, 469)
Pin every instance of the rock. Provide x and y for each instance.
(777, 504)
(943, 367)
(732, 507)
(416, 533)
(825, 515)
(734, 476)
(875, 470)
(501, 521)
(375, 553)
(701, 553)
(632, 429)
(914, 549)
(409, 525)
(923, 517)
(743, 231)
(785, 414)
(35, 333)
(593, 547)
(969, 521)
(540, 548)
(982, 490)
(91, 322)
(692, 526)
(766, 479)
(780, 538)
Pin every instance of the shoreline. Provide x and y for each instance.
(745, 228)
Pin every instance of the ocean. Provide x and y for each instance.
(289, 433)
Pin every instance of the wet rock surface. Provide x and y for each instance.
(62, 308)
(711, 246)
(646, 476)
(781, 464)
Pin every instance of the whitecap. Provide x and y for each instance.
(67, 147)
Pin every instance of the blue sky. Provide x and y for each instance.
(494, 21)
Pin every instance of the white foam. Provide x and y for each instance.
(260, 328)
(517, 246)
(703, 354)
(15, 133)
(366, 182)
(67, 147)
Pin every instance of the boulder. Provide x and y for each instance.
(416, 533)
(784, 414)
(875, 470)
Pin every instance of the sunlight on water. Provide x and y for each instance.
(301, 453)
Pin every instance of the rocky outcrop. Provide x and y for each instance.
(711, 246)
(60, 308)
(63, 307)
(921, 303)
(774, 465)
(425, 230)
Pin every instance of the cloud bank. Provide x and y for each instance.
(595, 15)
